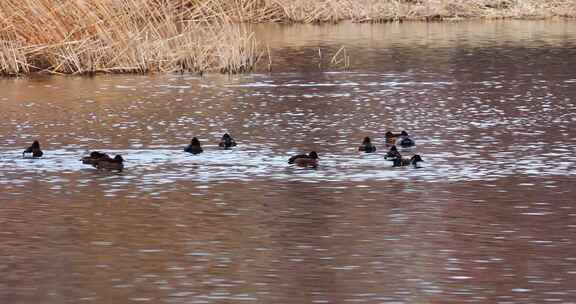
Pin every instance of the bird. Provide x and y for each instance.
(94, 158)
(392, 153)
(34, 149)
(116, 163)
(194, 147)
(391, 137)
(227, 141)
(403, 161)
(367, 146)
(405, 141)
(303, 160)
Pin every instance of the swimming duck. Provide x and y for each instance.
(392, 137)
(227, 141)
(405, 141)
(34, 149)
(392, 153)
(116, 163)
(303, 160)
(367, 146)
(403, 161)
(194, 147)
(94, 158)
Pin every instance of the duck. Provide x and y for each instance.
(116, 163)
(34, 149)
(403, 161)
(194, 147)
(391, 137)
(227, 141)
(405, 141)
(94, 158)
(303, 160)
(367, 146)
(392, 153)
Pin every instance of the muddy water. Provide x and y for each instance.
(490, 216)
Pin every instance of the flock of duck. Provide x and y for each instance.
(401, 139)
(103, 161)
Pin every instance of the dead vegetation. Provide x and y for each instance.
(420, 10)
(86, 37)
(128, 36)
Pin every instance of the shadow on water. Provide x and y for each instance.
(488, 217)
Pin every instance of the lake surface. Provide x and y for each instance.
(489, 218)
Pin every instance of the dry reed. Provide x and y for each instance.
(85, 37)
(341, 59)
(424, 10)
(130, 36)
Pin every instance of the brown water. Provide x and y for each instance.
(489, 218)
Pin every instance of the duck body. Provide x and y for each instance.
(94, 158)
(367, 146)
(392, 154)
(194, 147)
(116, 163)
(303, 160)
(405, 142)
(34, 149)
(404, 161)
(227, 141)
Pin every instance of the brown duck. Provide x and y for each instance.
(303, 160)
(34, 149)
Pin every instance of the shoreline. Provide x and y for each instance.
(189, 36)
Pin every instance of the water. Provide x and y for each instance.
(488, 218)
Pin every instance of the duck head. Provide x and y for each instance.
(195, 142)
(416, 159)
(366, 141)
(36, 145)
(226, 136)
(118, 159)
(404, 133)
(389, 134)
(313, 155)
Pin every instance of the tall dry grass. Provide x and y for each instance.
(140, 36)
(424, 10)
(126, 36)
(322, 11)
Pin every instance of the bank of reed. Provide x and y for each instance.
(120, 36)
(322, 11)
(141, 36)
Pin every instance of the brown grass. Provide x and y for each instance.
(322, 11)
(126, 36)
(141, 36)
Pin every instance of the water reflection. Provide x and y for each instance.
(489, 217)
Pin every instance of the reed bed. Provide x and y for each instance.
(120, 36)
(332, 11)
(142, 36)
(419, 10)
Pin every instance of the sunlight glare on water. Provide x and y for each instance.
(488, 217)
